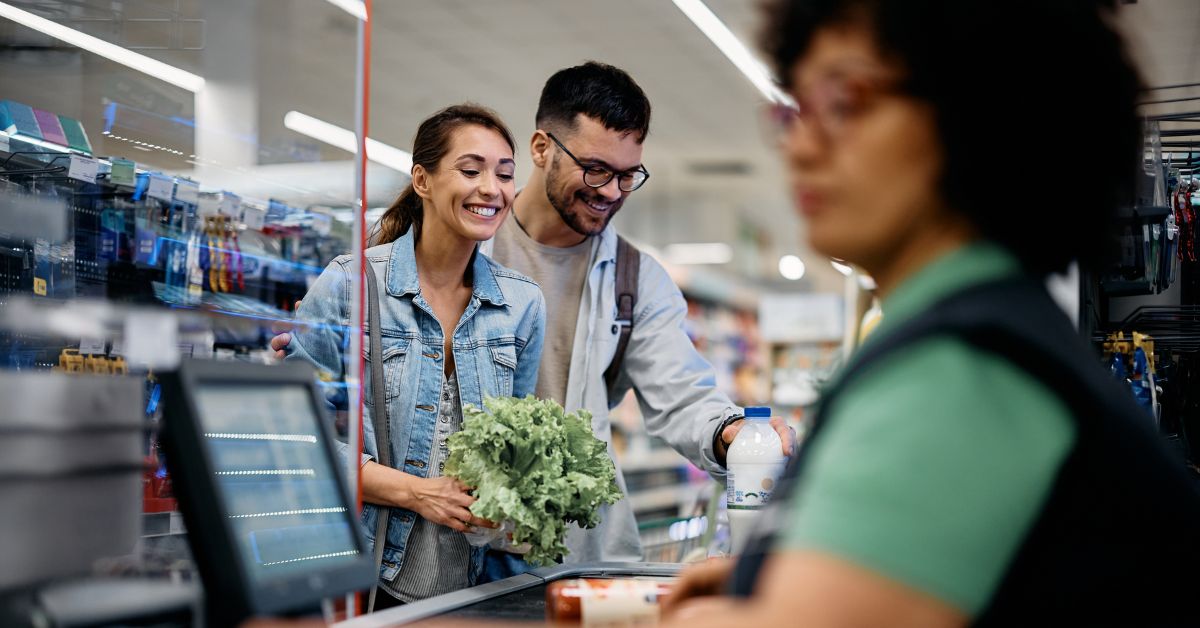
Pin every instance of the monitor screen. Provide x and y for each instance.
(274, 478)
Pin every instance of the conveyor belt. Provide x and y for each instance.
(518, 598)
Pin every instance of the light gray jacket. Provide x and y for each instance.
(675, 386)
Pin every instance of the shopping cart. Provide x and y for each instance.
(687, 538)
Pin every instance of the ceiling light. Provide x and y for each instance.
(345, 139)
(699, 253)
(113, 52)
(842, 267)
(791, 267)
(357, 8)
(732, 48)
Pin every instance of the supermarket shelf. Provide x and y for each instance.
(159, 524)
(654, 460)
(665, 497)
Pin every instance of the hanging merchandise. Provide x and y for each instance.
(1142, 382)
(237, 258)
(1185, 217)
(1116, 366)
(1132, 363)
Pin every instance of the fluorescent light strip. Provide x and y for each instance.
(357, 8)
(345, 139)
(732, 48)
(113, 52)
(41, 143)
(699, 253)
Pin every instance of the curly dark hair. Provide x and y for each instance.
(1029, 95)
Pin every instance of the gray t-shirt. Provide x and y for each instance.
(437, 559)
(561, 273)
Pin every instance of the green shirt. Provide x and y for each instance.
(934, 463)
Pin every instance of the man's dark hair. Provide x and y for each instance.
(599, 91)
(1026, 92)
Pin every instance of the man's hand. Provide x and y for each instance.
(704, 579)
(786, 434)
(279, 344)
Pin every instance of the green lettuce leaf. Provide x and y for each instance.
(533, 464)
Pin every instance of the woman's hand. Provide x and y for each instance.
(444, 501)
(704, 579)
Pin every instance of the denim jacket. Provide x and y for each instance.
(497, 348)
(676, 388)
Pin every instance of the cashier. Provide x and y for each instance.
(972, 464)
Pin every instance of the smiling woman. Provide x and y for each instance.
(459, 133)
(455, 328)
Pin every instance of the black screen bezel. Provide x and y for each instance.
(224, 570)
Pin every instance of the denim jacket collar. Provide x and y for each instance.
(402, 273)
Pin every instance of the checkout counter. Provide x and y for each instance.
(271, 526)
(519, 598)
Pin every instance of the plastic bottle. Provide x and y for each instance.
(755, 461)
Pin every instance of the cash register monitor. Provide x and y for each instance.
(271, 524)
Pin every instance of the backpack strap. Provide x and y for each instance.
(626, 287)
(378, 419)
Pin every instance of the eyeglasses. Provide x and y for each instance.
(595, 176)
(831, 107)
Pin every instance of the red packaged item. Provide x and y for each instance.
(605, 603)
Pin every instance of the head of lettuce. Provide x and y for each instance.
(536, 466)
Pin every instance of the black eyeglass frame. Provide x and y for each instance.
(586, 168)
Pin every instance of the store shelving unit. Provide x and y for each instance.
(117, 242)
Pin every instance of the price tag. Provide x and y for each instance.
(161, 187)
(83, 168)
(231, 205)
(187, 191)
(254, 217)
(209, 205)
(124, 172)
(91, 346)
(151, 339)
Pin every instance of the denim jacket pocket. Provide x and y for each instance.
(504, 357)
(394, 352)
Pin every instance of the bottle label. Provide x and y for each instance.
(750, 486)
(620, 603)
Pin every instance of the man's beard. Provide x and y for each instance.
(562, 204)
